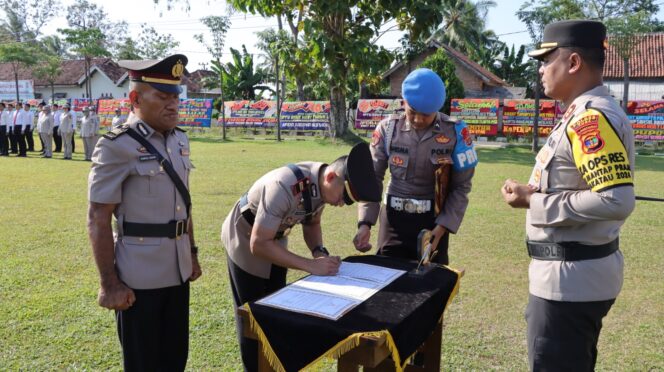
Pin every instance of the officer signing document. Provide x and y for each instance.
(578, 196)
(140, 176)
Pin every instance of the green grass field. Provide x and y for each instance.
(48, 281)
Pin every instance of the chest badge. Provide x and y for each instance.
(184, 152)
(442, 139)
(398, 161)
(147, 157)
(313, 190)
(142, 150)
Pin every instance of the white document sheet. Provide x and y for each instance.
(310, 302)
(332, 296)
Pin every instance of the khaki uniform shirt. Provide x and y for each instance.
(413, 161)
(89, 126)
(124, 173)
(276, 207)
(67, 124)
(45, 123)
(566, 209)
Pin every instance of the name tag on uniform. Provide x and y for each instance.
(543, 158)
(147, 157)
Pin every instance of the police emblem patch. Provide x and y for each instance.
(142, 150)
(465, 134)
(587, 131)
(397, 160)
(442, 139)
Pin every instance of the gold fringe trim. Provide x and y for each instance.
(271, 357)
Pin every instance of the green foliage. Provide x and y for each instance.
(218, 27)
(87, 43)
(441, 64)
(340, 35)
(149, 45)
(241, 80)
(18, 55)
(463, 26)
(25, 19)
(512, 68)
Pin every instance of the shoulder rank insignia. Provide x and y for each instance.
(116, 132)
(142, 129)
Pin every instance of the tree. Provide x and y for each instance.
(626, 33)
(511, 67)
(154, 45)
(54, 45)
(339, 34)
(241, 80)
(218, 26)
(49, 69)
(25, 19)
(441, 64)
(463, 25)
(87, 43)
(128, 49)
(18, 55)
(84, 15)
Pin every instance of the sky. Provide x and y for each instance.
(184, 25)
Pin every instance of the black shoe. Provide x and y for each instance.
(22, 156)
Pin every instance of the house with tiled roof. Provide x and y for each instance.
(646, 69)
(477, 81)
(108, 80)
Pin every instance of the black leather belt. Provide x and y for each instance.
(250, 217)
(569, 251)
(171, 230)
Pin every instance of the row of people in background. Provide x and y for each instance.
(55, 125)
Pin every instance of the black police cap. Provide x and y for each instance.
(164, 75)
(360, 179)
(572, 34)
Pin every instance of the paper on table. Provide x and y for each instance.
(341, 286)
(310, 302)
(369, 272)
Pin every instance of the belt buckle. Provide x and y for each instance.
(179, 228)
(409, 206)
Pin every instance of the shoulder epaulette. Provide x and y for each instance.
(116, 132)
(180, 129)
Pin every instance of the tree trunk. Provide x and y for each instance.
(16, 82)
(338, 108)
(538, 86)
(223, 106)
(52, 93)
(300, 89)
(276, 75)
(625, 83)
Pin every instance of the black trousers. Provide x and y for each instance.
(399, 230)
(562, 336)
(154, 332)
(4, 142)
(13, 142)
(247, 288)
(57, 139)
(19, 137)
(29, 139)
(73, 142)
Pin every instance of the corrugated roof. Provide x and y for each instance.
(647, 61)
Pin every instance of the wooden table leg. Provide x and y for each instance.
(263, 364)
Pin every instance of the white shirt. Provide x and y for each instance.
(89, 126)
(4, 118)
(117, 120)
(27, 118)
(56, 117)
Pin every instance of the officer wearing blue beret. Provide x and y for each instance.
(432, 162)
(579, 195)
(140, 176)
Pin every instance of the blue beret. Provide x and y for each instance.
(424, 91)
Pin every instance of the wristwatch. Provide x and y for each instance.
(321, 249)
(360, 223)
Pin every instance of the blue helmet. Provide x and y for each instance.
(424, 91)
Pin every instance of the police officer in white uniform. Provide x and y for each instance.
(255, 231)
(140, 176)
(578, 196)
(89, 130)
(66, 130)
(432, 162)
(45, 129)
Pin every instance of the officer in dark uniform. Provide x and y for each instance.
(255, 231)
(432, 162)
(579, 195)
(140, 176)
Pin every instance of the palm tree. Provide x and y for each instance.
(463, 24)
(241, 81)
